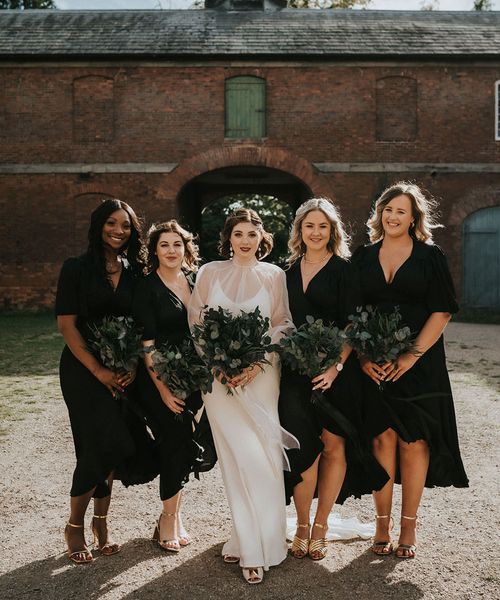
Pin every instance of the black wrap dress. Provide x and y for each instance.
(106, 434)
(419, 406)
(332, 294)
(164, 319)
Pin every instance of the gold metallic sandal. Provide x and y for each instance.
(79, 557)
(383, 548)
(318, 548)
(108, 548)
(169, 545)
(300, 546)
(407, 550)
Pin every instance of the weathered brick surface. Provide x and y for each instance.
(175, 114)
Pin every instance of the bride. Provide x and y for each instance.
(249, 440)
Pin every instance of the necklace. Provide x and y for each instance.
(315, 262)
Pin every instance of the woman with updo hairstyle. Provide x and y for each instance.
(249, 440)
(412, 421)
(334, 456)
(160, 309)
(99, 284)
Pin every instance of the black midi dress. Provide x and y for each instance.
(164, 319)
(419, 406)
(106, 435)
(332, 294)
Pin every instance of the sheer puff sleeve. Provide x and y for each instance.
(440, 295)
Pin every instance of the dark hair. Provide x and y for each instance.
(132, 250)
(244, 215)
(191, 257)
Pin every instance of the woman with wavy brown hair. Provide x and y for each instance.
(160, 308)
(412, 421)
(334, 457)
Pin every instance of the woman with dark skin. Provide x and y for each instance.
(413, 419)
(160, 308)
(98, 284)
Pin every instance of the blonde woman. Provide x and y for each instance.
(333, 456)
(413, 417)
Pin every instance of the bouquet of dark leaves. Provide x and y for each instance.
(312, 349)
(181, 370)
(230, 343)
(116, 342)
(379, 336)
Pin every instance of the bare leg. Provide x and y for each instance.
(75, 533)
(303, 494)
(414, 463)
(384, 450)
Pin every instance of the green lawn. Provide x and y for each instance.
(30, 347)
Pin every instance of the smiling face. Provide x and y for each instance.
(397, 216)
(315, 231)
(245, 239)
(116, 230)
(170, 250)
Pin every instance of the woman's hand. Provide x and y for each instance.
(324, 381)
(399, 367)
(246, 376)
(375, 372)
(176, 405)
(109, 379)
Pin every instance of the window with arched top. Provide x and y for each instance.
(93, 109)
(396, 106)
(497, 110)
(245, 107)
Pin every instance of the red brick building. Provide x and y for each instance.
(170, 110)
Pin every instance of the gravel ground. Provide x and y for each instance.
(456, 527)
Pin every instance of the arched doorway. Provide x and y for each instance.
(230, 182)
(481, 258)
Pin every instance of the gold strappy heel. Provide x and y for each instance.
(318, 548)
(108, 548)
(169, 545)
(79, 557)
(407, 550)
(383, 548)
(300, 546)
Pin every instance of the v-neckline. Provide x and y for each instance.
(304, 291)
(172, 291)
(388, 283)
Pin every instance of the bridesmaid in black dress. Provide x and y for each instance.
(413, 422)
(160, 307)
(334, 456)
(95, 285)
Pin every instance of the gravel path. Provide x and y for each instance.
(457, 528)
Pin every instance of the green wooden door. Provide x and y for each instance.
(245, 107)
(482, 258)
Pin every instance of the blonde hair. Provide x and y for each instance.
(191, 257)
(338, 243)
(423, 211)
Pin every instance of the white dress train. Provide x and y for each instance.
(249, 440)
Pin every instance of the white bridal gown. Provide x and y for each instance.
(249, 440)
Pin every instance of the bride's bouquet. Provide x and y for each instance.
(312, 348)
(181, 370)
(117, 343)
(379, 336)
(230, 343)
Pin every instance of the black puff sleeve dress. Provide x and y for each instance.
(419, 406)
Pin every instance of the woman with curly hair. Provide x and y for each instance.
(98, 284)
(412, 422)
(160, 308)
(334, 457)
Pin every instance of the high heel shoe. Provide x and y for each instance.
(79, 557)
(383, 548)
(318, 548)
(108, 548)
(169, 545)
(300, 546)
(253, 575)
(406, 550)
